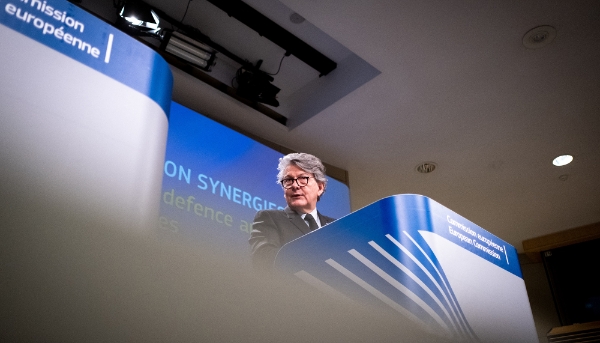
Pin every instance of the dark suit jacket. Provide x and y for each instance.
(274, 228)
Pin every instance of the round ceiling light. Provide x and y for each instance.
(539, 37)
(562, 160)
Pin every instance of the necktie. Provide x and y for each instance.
(312, 224)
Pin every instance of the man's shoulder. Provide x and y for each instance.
(271, 213)
(327, 219)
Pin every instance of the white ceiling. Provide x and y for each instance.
(457, 87)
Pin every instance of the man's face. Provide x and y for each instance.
(301, 199)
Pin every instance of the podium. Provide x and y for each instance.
(421, 262)
(83, 123)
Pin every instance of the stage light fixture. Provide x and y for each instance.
(255, 85)
(140, 17)
(189, 50)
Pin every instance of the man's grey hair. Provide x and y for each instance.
(307, 162)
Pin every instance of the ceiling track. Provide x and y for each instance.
(276, 34)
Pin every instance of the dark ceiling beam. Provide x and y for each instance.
(275, 33)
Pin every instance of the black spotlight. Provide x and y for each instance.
(255, 85)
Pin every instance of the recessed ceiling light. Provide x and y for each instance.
(562, 160)
(296, 18)
(539, 37)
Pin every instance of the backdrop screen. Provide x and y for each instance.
(216, 179)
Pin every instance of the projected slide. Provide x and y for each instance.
(215, 180)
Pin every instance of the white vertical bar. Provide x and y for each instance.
(108, 48)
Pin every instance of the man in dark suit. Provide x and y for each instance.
(302, 177)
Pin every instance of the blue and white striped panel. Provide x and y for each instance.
(401, 275)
